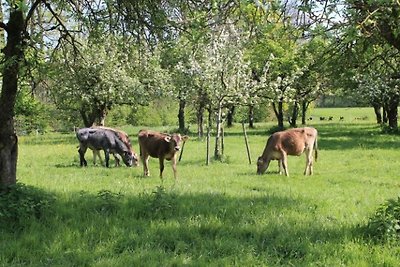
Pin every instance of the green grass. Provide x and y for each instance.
(217, 215)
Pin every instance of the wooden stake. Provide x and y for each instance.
(247, 143)
(208, 146)
(180, 155)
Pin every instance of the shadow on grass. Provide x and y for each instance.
(203, 227)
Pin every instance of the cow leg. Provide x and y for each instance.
(82, 151)
(161, 159)
(96, 153)
(116, 160)
(309, 162)
(107, 157)
(284, 163)
(280, 164)
(173, 161)
(267, 164)
(145, 160)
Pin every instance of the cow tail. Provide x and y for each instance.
(316, 149)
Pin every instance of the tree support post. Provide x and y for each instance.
(247, 143)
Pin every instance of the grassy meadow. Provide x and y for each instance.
(217, 215)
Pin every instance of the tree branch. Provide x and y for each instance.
(30, 12)
(3, 26)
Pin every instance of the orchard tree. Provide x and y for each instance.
(95, 81)
(225, 75)
(379, 82)
(19, 14)
(143, 20)
(378, 22)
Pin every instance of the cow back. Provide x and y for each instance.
(292, 141)
(154, 144)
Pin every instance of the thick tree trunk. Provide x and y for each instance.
(378, 114)
(385, 114)
(88, 119)
(392, 113)
(295, 114)
(304, 107)
(181, 115)
(279, 113)
(13, 54)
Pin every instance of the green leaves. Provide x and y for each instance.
(384, 225)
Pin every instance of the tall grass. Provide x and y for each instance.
(221, 214)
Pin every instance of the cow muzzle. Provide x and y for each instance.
(177, 148)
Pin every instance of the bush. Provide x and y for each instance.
(20, 204)
(159, 205)
(384, 225)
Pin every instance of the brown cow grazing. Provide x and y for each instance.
(161, 146)
(290, 142)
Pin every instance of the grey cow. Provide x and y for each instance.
(106, 140)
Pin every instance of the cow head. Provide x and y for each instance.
(129, 159)
(261, 165)
(175, 140)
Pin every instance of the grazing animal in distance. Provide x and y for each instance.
(124, 138)
(290, 142)
(159, 145)
(103, 139)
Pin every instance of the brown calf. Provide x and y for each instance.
(290, 142)
(161, 146)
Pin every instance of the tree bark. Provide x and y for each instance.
(304, 107)
(181, 115)
(200, 121)
(229, 117)
(279, 113)
(251, 116)
(13, 54)
(378, 114)
(217, 150)
(295, 114)
(385, 114)
(392, 113)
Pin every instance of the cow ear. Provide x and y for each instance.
(167, 138)
(185, 137)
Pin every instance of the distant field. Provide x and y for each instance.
(217, 215)
(349, 115)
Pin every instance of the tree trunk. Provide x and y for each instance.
(251, 116)
(279, 113)
(181, 115)
(392, 113)
(295, 114)
(378, 114)
(217, 150)
(385, 114)
(229, 117)
(13, 54)
(304, 107)
(102, 117)
(88, 119)
(200, 121)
